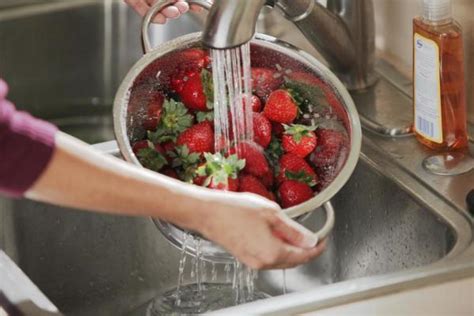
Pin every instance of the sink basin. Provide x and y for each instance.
(388, 223)
(90, 264)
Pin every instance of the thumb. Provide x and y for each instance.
(293, 233)
(3, 89)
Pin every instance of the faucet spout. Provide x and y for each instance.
(324, 29)
(231, 23)
(343, 33)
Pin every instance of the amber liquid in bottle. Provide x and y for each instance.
(448, 37)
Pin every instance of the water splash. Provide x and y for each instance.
(284, 282)
(213, 272)
(182, 264)
(227, 269)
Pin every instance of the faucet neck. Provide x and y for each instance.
(344, 34)
(231, 23)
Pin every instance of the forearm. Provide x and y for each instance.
(80, 177)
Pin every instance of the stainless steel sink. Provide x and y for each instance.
(104, 265)
(393, 226)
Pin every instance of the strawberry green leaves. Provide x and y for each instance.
(208, 87)
(174, 120)
(151, 159)
(301, 176)
(306, 94)
(205, 116)
(185, 162)
(219, 169)
(298, 131)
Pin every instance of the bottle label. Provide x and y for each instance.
(428, 122)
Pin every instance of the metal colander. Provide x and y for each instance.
(153, 71)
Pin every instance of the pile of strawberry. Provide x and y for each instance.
(300, 139)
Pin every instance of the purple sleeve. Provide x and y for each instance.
(26, 147)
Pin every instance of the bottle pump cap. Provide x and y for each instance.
(437, 10)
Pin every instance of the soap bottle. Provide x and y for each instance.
(438, 75)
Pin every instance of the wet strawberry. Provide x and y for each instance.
(151, 157)
(305, 77)
(160, 149)
(255, 162)
(299, 140)
(255, 103)
(328, 149)
(249, 183)
(264, 81)
(197, 179)
(262, 130)
(168, 146)
(136, 147)
(170, 173)
(221, 173)
(293, 193)
(154, 110)
(174, 120)
(199, 138)
(193, 95)
(278, 129)
(281, 107)
(197, 90)
(268, 179)
(193, 59)
(231, 185)
(292, 165)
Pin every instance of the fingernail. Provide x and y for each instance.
(3, 89)
(310, 241)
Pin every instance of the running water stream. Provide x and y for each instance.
(233, 121)
(233, 124)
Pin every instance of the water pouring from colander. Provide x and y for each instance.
(266, 51)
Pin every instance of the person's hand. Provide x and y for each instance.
(171, 12)
(259, 234)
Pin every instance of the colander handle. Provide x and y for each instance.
(330, 220)
(155, 9)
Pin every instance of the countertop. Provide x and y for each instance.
(451, 298)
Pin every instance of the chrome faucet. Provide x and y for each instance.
(343, 32)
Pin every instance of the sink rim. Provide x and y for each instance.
(456, 264)
(453, 264)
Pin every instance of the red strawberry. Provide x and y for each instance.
(293, 193)
(232, 185)
(264, 81)
(177, 82)
(249, 183)
(255, 162)
(295, 165)
(193, 95)
(160, 149)
(255, 103)
(155, 107)
(219, 172)
(299, 140)
(199, 180)
(306, 77)
(199, 138)
(278, 129)
(170, 173)
(268, 179)
(262, 130)
(330, 143)
(136, 147)
(168, 146)
(193, 59)
(281, 107)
